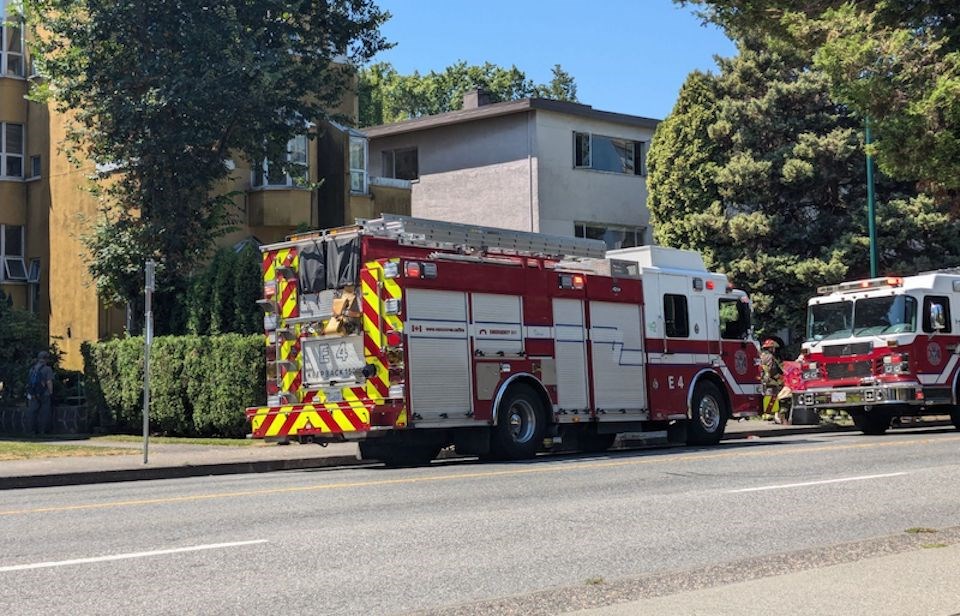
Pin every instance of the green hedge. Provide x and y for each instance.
(199, 385)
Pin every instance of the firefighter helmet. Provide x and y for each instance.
(770, 343)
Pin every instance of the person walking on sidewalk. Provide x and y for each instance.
(39, 393)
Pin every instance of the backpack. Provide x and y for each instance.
(35, 385)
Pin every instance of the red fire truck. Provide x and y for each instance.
(409, 335)
(883, 348)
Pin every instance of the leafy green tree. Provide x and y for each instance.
(165, 92)
(760, 170)
(896, 62)
(387, 96)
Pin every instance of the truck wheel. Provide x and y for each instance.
(591, 442)
(955, 417)
(521, 423)
(708, 415)
(871, 423)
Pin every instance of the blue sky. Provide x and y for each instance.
(626, 56)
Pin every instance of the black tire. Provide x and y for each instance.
(521, 424)
(873, 423)
(955, 417)
(591, 442)
(708, 415)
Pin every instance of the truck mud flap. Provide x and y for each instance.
(324, 419)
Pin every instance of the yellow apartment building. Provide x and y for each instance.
(45, 204)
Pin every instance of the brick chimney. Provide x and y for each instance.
(475, 98)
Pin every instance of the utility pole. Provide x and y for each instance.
(871, 208)
(148, 340)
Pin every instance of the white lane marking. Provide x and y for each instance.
(100, 559)
(814, 483)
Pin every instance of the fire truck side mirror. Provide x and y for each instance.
(938, 319)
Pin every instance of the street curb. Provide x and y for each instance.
(175, 472)
(268, 466)
(765, 432)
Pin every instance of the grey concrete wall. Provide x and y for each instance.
(568, 195)
(477, 172)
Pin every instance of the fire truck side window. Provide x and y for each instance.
(676, 321)
(734, 319)
(928, 324)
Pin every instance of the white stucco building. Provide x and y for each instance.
(532, 165)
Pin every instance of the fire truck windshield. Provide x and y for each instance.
(869, 316)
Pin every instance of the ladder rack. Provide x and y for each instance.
(449, 235)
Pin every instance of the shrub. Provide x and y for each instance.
(223, 299)
(22, 336)
(199, 385)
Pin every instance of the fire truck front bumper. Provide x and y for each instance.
(330, 421)
(909, 394)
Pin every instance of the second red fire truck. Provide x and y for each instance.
(884, 348)
(409, 335)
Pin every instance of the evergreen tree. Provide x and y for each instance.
(896, 62)
(760, 170)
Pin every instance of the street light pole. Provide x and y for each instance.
(871, 208)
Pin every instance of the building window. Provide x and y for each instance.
(401, 164)
(609, 154)
(615, 236)
(11, 150)
(11, 253)
(33, 296)
(676, 321)
(358, 165)
(271, 173)
(35, 166)
(12, 60)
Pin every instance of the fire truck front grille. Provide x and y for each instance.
(840, 350)
(850, 369)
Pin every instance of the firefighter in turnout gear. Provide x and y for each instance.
(771, 378)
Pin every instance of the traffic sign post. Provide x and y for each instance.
(149, 288)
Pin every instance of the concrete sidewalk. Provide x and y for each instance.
(921, 582)
(182, 460)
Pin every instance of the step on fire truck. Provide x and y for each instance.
(883, 348)
(410, 335)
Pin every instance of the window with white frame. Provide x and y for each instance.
(33, 295)
(402, 164)
(11, 253)
(358, 165)
(11, 150)
(602, 153)
(271, 173)
(12, 60)
(615, 236)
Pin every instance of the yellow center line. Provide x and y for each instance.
(667, 458)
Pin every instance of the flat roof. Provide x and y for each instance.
(501, 109)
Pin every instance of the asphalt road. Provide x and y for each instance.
(458, 536)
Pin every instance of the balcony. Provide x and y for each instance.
(280, 207)
(384, 196)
